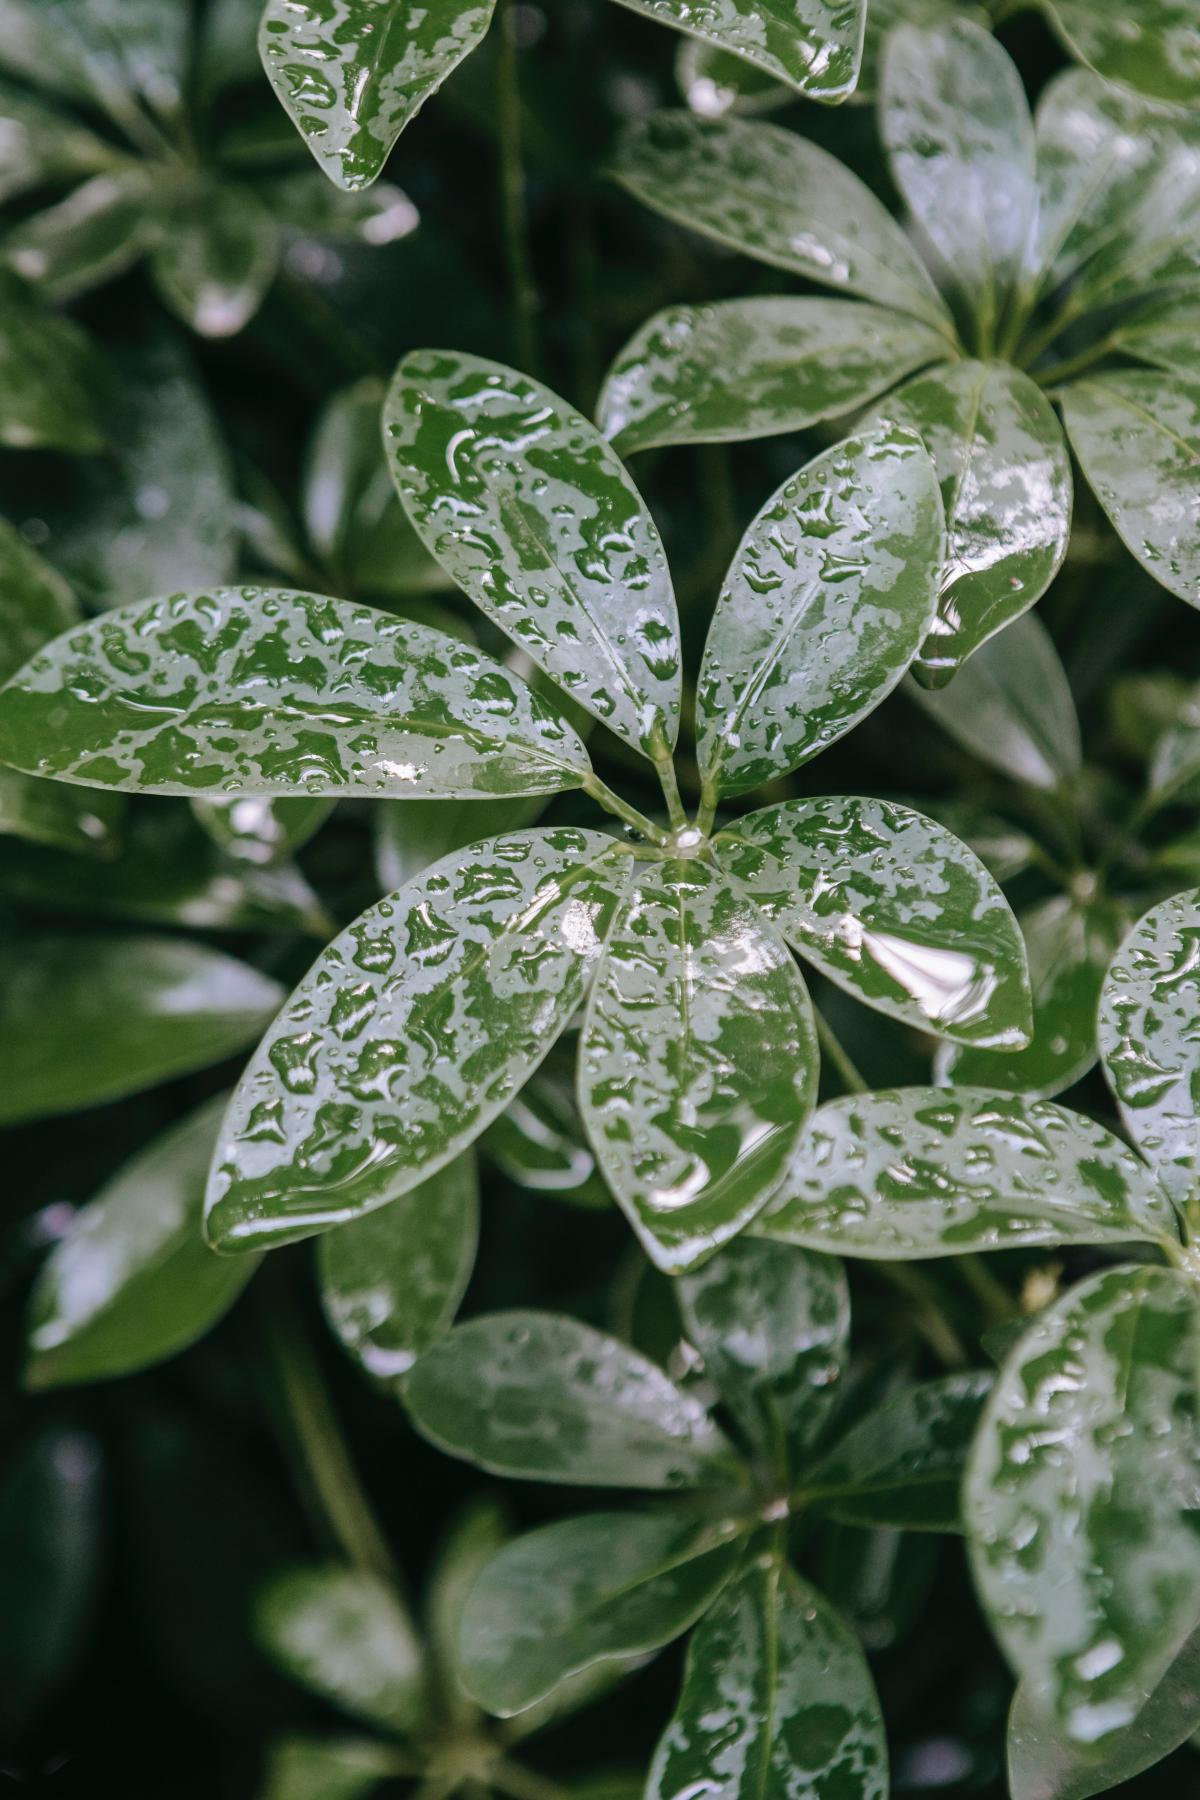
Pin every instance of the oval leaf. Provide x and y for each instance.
(813, 45)
(52, 383)
(345, 1635)
(216, 256)
(1150, 45)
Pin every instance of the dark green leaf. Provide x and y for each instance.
(830, 594)
(49, 812)
(1149, 45)
(521, 500)
(327, 1768)
(35, 603)
(41, 146)
(52, 389)
(879, 1580)
(1080, 1498)
(216, 256)
(412, 1031)
(1165, 334)
(754, 368)
(545, 1398)
(93, 235)
(893, 908)
(714, 82)
(344, 1633)
(410, 839)
(261, 832)
(101, 53)
(474, 1536)
(308, 207)
(540, 1144)
(697, 1062)
(813, 45)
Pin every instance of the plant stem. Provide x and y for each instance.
(1073, 365)
(522, 291)
(998, 1304)
(670, 787)
(603, 795)
(927, 1316)
(834, 1049)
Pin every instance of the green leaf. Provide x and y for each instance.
(1136, 433)
(778, 198)
(1080, 1498)
(86, 1018)
(89, 238)
(902, 1465)
(473, 1537)
(525, 505)
(545, 1398)
(879, 1580)
(216, 256)
(1044, 1765)
(48, 812)
(960, 138)
(412, 1031)
(306, 207)
(351, 75)
(100, 53)
(1148, 1041)
(586, 1590)
(1011, 706)
(714, 82)
(923, 1171)
(391, 1282)
(263, 833)
(773, 1330)
(828, 598)
(344, 1633)
(892, 907)
(1150, 45)
(883, 16)
(265, 691)
(410, 839)
(813, 45)
(52, 386)
(755, 368)
(41, 146)
(1069, 947)
(1006, 487)
(539, 1143)
(777, 1699)
(326, 1768)
(133, 1282)
(35, 602)
(1165, 334)
(697, 1061)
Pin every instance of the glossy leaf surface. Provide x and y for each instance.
(1006, 486)
(778, 198)
(1151, 46)
(216, 256)
(343, 1633)
(1080, 1494)
(95, 234)
(133, 1281)
(813, 45)
(604, 1585)
(1150, 1041)
(42, 146)
(391, 1282)
(264, 691)
(830, 594)
(540, 1144)
(919, 1172)
(100, 52)
(412, 1031)
(893, 908)
(52, 388)
(530, 510)
(777, 1698)
(754, 368)
(1165, 334)
(352, 73)
(262, 833)
(48, 812)
(697, 1062)
(545, 1398)
(773, 1331)
(84, 1019)
(35, 602)
(714, 82)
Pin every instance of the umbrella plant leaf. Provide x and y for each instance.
(530, 510)
(891, 906)
(42, 146)
(1151, 45)
(53, 390)
(93, 235)
(411, 1032)
(813, 45)
(35, 602)
(301, 1768)
(697, 1060)
(1165, 334)
(61, 817)
(714, 82)
(216, 256)
(263, 832)
(344, 1634)
(829, 596)
(100, 53)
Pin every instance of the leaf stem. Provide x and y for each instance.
(927, 1316)
(835, 1050)
(669, 782)
(604, 796)
(1071, 366)
(522, 289)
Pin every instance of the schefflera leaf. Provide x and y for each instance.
(813, 45)
(265, 691)
(412, 1031)
(830, 594)
(1080, 1498)
(893, 908)
(1149, 1043)
(697, 1061)
(1006, 486)
(1149, 45)
(777, 1699)
(545, 1398)
(582, 1591)
(533, 514)
(926, 1171)
(351, 74)
(344, 1633)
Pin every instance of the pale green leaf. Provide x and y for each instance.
(1152, 46)
(216, 255)
(814, 46)
(89, 238)
(344, 1633)
(113, 53)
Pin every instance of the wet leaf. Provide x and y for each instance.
(1148, 1039)
(1006, 487)
(344, 1633)
(545, 1398)
(66, 818)
(540, 1144)
(586, 1590)
(86, 1018)
(776, 1697)
(41, 146)
(351, 74)
(778, 198)
(697, 1061)
(52, 386)
(101, 53)
(812, 45)
(714, 82)
(391, 1282)
(411, 1032)
(216, 256)
(754, 368)
(1080, 1498)
(35, 602)
(89, 238)
(1150, 46)
(264, 691)
(924, 1171)
(521, 501)
(475, 1534)
(892, 907)
(262, 832)
(1136, 433)
(410, 839)
(773, 1331)
(830, 593)
(133, 1281)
